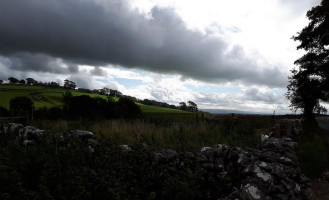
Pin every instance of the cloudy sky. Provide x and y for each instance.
(220, 54)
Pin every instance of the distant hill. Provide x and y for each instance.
(225, 112)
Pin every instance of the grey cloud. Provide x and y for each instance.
(254, 94)
(9, 72)
(85, 32)
(39, 63)
(97, 71)
(114, 85)
(241, 101)
(227, 100)
(82, 81)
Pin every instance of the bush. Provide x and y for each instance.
(128, 108)
(21, 107)
(4, 112)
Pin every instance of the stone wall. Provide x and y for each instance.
(270, 172)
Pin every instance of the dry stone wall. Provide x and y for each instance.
(268, 173)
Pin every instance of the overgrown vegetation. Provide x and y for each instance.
(46, 171)
(179, 135)
(312, 150)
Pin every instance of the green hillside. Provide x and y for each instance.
(52, 97)
(42, 96)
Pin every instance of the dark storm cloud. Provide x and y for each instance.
(86, 32)
(40, 63)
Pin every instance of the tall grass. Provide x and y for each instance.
(181, 136)
(312, 152)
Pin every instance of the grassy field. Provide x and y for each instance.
(41, 96)
(159, 127)
(166, 114)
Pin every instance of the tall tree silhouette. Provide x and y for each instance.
(310, 82)
(192, 106)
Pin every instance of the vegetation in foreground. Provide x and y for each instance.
(180, 135)
(44, 171)
(313, 151)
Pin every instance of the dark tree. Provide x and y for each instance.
(31, 81)
(304, 92)
(69, 84)
(127, 108)
(104, 91)
(53, 84)
(310, 82)
(21, 107)
(192, 106)
(22, 82)
(13, 80)
(115, 93)
(86, 107)
(4, 112)
(1, 81)
(84, 90)
(182, 106)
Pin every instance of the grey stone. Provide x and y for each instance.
(270, 172)
(125, 148)
(205, 149)
(253, 191)
(325, 175)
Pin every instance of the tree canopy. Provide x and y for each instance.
(69, 84)
(310, 82)
(13, 80)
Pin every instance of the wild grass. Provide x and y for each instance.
(181, 136)
(312, 151)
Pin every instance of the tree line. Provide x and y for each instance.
(75, 107)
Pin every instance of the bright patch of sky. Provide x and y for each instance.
(129, 83)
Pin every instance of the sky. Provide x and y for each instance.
(220, 54)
